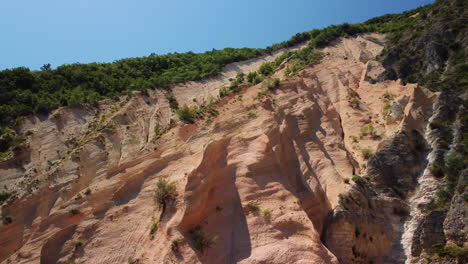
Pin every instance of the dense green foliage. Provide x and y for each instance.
(429, 49)
(23, 91)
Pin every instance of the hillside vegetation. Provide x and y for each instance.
(24, 92)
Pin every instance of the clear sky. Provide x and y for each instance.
(35, 32)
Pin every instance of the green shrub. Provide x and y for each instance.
(454, 164)
(164, 192)
(153, 228)
(78, 243)
(240, 77)
(87, 192)
(387, 96)
(206, 108)
(367, 153)
(355, 103)
(10, 142)
(267, 213)
(200, 239)
(253, 207)
(186, 114)
(175, 244)
(386, 109)
(271, 84)
(358, 179)
(251, 77)
(258, 79)
(368, 130)
(225, 91)
(267, 68)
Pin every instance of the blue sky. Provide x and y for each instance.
(67, 31)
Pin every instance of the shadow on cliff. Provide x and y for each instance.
(214, 223)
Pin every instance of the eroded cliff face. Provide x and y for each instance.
(269, 180)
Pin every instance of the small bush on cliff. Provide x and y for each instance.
(354, 103)
(164, 192)
(358, 179)
(271, 84)
(454, 164)
(225, 91)
(153, 228)
(367, 153)
(267, 68)
(159, 130)
(175, 244)
(253, 207)
(78, 243)
(186, 114)
(200, 238)
(368, 130)
(254, 78)
(267, 213)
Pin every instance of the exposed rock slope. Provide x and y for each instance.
(256, 185)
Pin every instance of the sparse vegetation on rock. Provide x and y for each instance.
(266, 213)
(272, 83)
(254, 207)
(175, 244)
(200, 239)
(368, 130)
(153, 228)
(367, 153)
(165, 191)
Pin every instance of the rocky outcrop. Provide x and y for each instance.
(372, 213)
(455, 227)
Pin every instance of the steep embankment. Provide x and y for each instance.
(433, 51)
(59, 140)
(254, 185)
